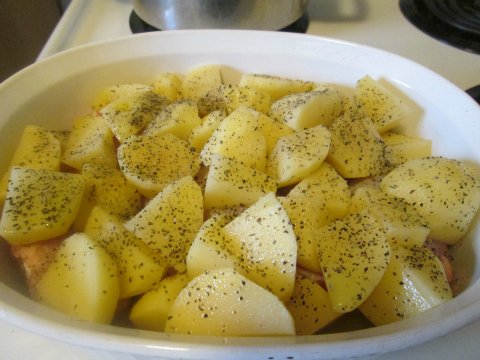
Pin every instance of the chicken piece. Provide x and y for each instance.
(35, 258)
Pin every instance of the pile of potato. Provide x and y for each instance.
(268, 207)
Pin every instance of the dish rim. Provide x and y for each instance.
(352, 343)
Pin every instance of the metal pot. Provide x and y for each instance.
(220, 14)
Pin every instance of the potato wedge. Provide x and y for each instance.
(384, 108)
(267, 243)
(38, 148)
(325, 189)
(305, 226)
(168, 85)
(230, 183)
(224, 303)
(130, 114)
(272, 130)
(114, 92)
(151, 310)
(442, 190)
(150, 163)
(245, 117)
(81, 281)
(40, 204)
(308, 109)
(401, 147)
(90, 141)
(234, 96)
(354, 253)
(107, 187)
(313, 203)
(178, 118)
(212, 248)
(238, 138)
(276, 86)
(414, 282)
(201, 133)
(170, 221)
(199, 81)
(402, 223)
(357, 149)
(311, 307)
(139, 266)
(298, 155)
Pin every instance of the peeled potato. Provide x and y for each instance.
(443, 191)
(308, 109)
(170, 221)
(38, 148)
(354, 253)
(276, 86)
(150, 163)
(315, 201)
(201, 133)
(107, 187)
(298, 155)
(414, 282)
(151, 310)
(212, 247)
(311, 307)
(403, 147)
(81, 281)
(231, 183)
(402, 223)
(357, 149)
(139, 267)
(265, 242)
(384, 108)
(199, 81)
(40, 204)
(90, 141)
(224, 303)
(168, 85)
(178, 118)
(238, 137)
(114, 92)
(130, 114)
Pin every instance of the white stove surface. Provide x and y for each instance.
(377, 23)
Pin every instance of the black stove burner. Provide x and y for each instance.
(455, 22)
(137, 25)
(474, 92)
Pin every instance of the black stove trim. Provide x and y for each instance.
(474, 92)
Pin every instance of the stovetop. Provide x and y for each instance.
(380, 24)
(376, 23)
(455, 22)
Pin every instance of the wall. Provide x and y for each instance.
(25, 26)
